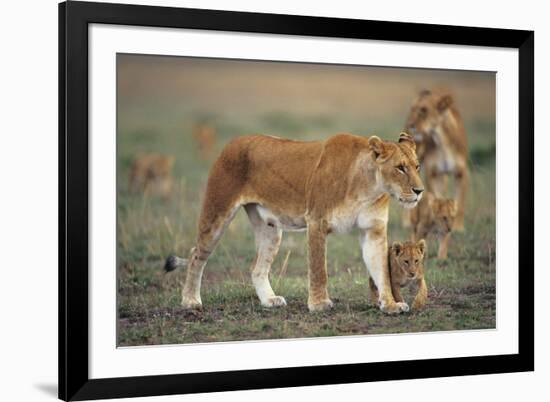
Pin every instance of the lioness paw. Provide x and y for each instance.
(394, 308)
(191, 303)
(403, 306)
(321, 306)
(274, 301)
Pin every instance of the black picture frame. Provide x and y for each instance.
(74, 18)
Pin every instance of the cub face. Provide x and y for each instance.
(398, 169)
(444, 213)
(407, 259)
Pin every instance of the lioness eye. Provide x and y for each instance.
(417, 168)
(406, 262)
(401, 168)
(416, 261)
(423, 110)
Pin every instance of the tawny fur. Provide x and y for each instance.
(321, 187)
(206, 139)
(152, 173)
(434, 216)
(406, 262)
(438, 129)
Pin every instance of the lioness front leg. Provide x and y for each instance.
(375, 254)
(318, 299)
(462, 182)
(421, 295)
(373, 292)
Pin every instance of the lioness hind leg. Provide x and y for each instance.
(443, 246)
(211, 229)
(268, 238)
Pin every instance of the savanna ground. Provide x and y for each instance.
(159, 101)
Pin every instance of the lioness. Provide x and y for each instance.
(434, 216)
(438, 130)
(406, 262)
(322, 187)
(205, 137)
(152, 172)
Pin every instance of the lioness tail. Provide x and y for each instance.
(174, 262)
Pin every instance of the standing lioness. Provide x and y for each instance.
(322, 187)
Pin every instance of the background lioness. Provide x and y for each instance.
(438, 129)
(152, 173)
(406, 262)
(320, 186)
(205, 138)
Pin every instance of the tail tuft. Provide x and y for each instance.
(173, 263)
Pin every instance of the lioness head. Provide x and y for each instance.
(425, 116)
(408, 257)
(398, 169)
(444, 213)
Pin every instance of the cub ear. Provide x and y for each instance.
(421, 244)
(380, 149)
(424, 92)
(444, 102)
(407, 139)
(396, 248)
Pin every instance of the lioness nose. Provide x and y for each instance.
(418, 191)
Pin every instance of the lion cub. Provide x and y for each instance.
(152, 172)
(434, 216)
(406, 264)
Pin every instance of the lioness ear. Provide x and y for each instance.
(381, 151)
(405, 138)
(444, 102)
(421, 246)
(396, 248)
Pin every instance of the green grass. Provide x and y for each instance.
(461, 290)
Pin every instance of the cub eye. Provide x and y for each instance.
(416, 261)
(401, 168)
(423, 110)
(406, 262)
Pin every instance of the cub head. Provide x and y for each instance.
(398, 169)
(408, 257)
(444, 213)
(426, 114)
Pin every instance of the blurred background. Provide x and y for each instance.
(189, 108)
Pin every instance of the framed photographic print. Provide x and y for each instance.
(258, 200)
